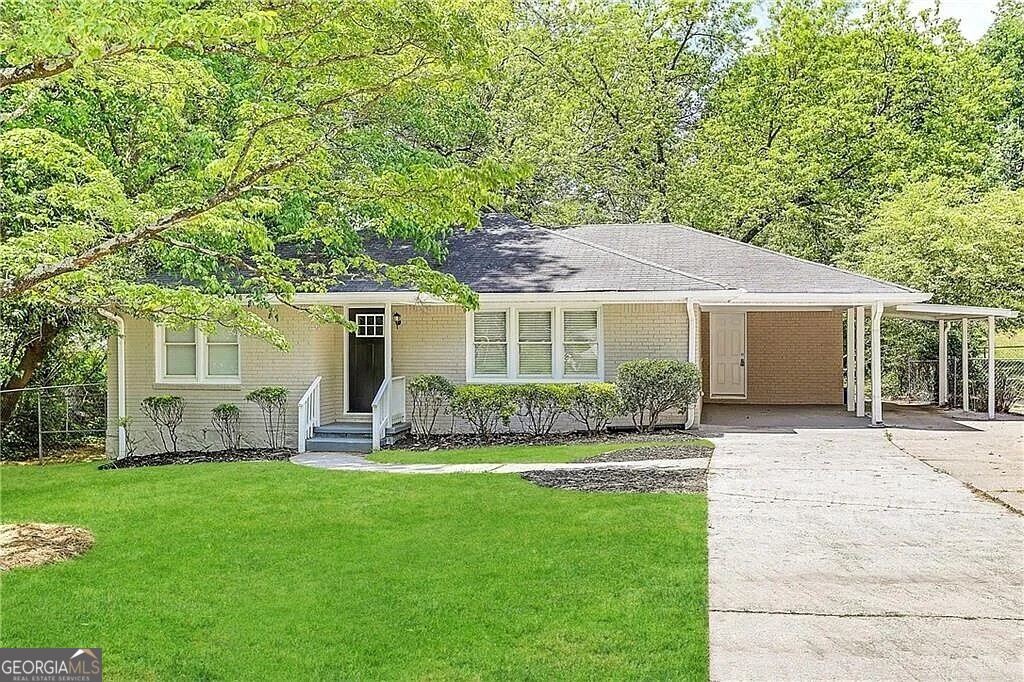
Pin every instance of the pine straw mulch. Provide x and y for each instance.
(23, 545)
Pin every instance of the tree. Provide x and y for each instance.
(949, 238)
(597, 97)
(831, 112)
(1003, 45)
(240, 148)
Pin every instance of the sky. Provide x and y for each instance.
(974, 15)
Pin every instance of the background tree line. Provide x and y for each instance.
(248, 147)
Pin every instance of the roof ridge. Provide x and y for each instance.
(763, 248)
(636, 259)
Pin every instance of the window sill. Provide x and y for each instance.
(235, 385)
(533, 380)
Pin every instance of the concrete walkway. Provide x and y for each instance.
(835, 555)
(346, 462)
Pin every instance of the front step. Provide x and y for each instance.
(352, 437)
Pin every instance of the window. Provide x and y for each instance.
(190, 356)
(535, 343)
(370, 324)
(490, 343)
(579, 341)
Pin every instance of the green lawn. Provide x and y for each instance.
(519, 453)
(274, 571)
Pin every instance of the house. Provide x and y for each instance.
(556, 305)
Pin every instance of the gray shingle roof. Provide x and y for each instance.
(733, 264)
(508, 255)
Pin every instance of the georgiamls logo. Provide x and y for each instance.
(51, 665)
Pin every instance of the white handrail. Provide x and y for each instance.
(385, 408)
(309, 413)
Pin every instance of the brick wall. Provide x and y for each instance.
(793, 358)
(316, 351)
(647, 330)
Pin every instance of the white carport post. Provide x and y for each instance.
(991, 367)
(860, 361)
(943, 363)
(851, 359)
(876, 364)
(965, 389)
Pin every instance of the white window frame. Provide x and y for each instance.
(512, 339)
(202, 361)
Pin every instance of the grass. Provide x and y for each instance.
(274, 571)
(520, 453)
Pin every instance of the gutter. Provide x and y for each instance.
(121, 407)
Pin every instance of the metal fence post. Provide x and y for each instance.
(39, 423)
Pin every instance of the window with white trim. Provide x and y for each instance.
(534, 344)
(580, 343)
(490, 343)
(370, 325)
(190, 356)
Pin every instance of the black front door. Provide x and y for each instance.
(365, 357)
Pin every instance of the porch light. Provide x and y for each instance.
(397, 319)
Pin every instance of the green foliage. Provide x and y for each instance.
(962, 244)
(484, 406)
(166, 412)
(593, 405)
(649, 388)
(226, 418)
(272, 401)
(430, 393)
(538, 406)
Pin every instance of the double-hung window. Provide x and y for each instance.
(536, 342)
(531, 344)
(190, 356)
(490, 344)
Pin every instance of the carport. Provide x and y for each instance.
(945, 316)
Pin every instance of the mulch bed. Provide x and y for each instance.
(611, 480)
(652, 452)
(200, 456)
(452, 441)
(34, 544)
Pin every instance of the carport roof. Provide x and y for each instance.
(936, 311)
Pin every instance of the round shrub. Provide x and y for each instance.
(649, 388)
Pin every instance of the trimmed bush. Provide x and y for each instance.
(649, 388)
(165, 411)
(484, 406)
(430, 394)
(226, 418)
(593, 405)
(271, 400)
(538, 406)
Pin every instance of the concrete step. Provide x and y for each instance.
(344, 429)
(334, 443)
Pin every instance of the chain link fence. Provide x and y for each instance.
(917, 382)
(50, 417)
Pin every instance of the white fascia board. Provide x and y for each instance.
(413, 297)
(950, 312)
(803, 300)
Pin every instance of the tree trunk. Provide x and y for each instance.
(31, 357)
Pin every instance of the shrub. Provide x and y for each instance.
(430, 394)
(226, 418)
(593, 405)
(484, 406)
(648, 388)
(165, 411)
(538, 406)
(271, 401)
(131, 445)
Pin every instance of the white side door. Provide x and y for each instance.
(728, 355)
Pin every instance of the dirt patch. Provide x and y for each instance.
(24, 545)
(611, 480)
(467, 440)
(652, 452)
(200, 456)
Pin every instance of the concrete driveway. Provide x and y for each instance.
(835, 554)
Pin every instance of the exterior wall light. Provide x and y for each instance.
(397, 319)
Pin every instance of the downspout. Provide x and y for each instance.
(691, 355)
(121, 410)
